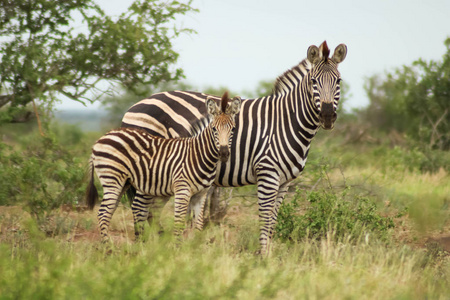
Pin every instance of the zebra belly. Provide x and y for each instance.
(153, 188)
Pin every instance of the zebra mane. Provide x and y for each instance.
(224, 101)
(291, 77)
(325, 50)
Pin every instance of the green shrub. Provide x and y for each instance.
(423, 160)
(42, 174)
(331, 213)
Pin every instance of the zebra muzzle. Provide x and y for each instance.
(327, 115)
(224, 153)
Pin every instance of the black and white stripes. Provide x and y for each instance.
(273, 133)
(158, 167)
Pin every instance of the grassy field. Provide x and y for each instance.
(59, 256)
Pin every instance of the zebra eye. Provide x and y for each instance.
(339, 80)
(314, 80)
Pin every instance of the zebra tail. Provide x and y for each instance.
(91, 191)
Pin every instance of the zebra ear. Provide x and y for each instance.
(314, 55)
(211, 107)
(234, 107)
(339, 53)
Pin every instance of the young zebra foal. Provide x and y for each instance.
(158, 167)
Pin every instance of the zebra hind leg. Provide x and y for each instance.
(111, 197)
(140, 208)
(154, 214)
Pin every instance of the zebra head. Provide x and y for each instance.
(324, 81)
(223, 123)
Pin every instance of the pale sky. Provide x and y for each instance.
(241, 42)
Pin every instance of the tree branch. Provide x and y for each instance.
(5, 99)
(435, 135)
(30, 89)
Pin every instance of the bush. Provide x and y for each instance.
(413, 99)
(423, 160)
(330, 213)
(42, 174)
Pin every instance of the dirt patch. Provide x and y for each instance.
(442, 243)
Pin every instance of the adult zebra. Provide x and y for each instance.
(273, 133)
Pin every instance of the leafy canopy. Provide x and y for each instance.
(414, 100)
(69, 47)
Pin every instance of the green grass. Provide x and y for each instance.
(53, 268)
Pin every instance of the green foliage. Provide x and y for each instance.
(331, 214)
(45, 53)
(397, 158)
(413, 100)
(264, 88)
(424, 160)
(43, 173)
(248, 237)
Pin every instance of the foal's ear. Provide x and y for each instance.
(339, 53)
(211, 107)
(234, 107)
(314, 55)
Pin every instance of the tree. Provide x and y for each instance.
(414, 100)
(45, 54)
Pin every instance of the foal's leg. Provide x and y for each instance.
(140, 208)
(154, 212)
(182, 197)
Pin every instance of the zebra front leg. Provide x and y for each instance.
(141, 212)
(267, 193)
(279, 200)
(182, 197)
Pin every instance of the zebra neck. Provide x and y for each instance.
(295, 119)
(205, 148)
(292, 86)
